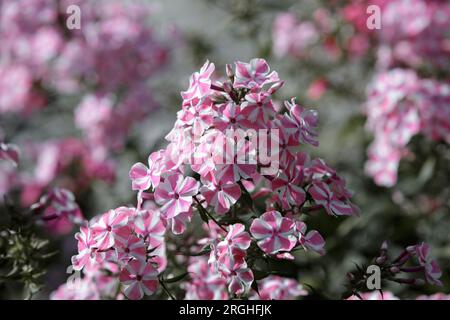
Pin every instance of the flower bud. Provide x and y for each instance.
(380, 259)
(227, 87)
(395, 270)
(230, 72)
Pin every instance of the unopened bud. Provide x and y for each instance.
(350, 276)
(384, 246)
(381, 259)
(230, 72)
(227, 87)
(395, 270)
(276, 86)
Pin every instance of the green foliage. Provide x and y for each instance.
(23, 253)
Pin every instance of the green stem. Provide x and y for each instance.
(200, 207)
(163, 285)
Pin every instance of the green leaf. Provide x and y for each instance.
(259, 274)
(254, 286)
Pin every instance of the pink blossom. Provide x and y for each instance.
(178, 224)
(199, 82)
(241, 280)
(104, 228)
(278, 288)
(358, 45)
(234, 268)
(78, 289)
(225, 165)
(311, 240)
(87, 256)
(383, 162)
(9, 152)
(96, 116)
(129, 246)
(175, 194)
(400, 106)
(375, 295)
(316, 169)
(59, 210)
(230, 117)
(254, 74)
(139, 278)
(55, 159)
(413, 33)
(203, 162)
(237, 160)
(221, 196)
(317, 88)
(204, 284)
(324, 196)
(435, 109)
(288, 189)
(436, 296)
(16, 87)
(258, 106)
(293, 37)
(143, 177)
(198, 114)
(237, 237)
(273, 232)
(432, 270)
(149, 225)
(302, 123)
(287, 144)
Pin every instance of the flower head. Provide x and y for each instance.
(273, 232)
(175, 194)
(139, 278)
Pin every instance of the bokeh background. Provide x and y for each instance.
(58, 88)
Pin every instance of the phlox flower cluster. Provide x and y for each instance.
(315, 39)
(413, 266)
(412, 32)
(120, 253)
(400, 106)
(57, 208)
(204, 169)
(198, 174)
